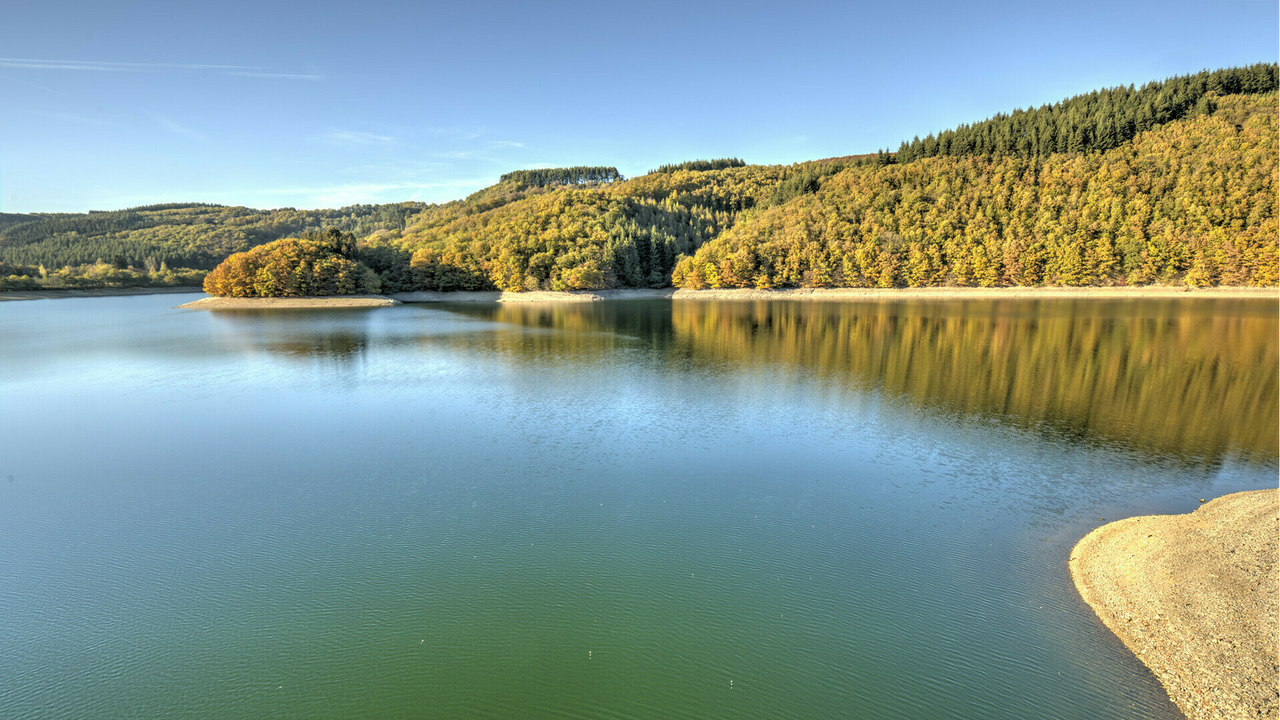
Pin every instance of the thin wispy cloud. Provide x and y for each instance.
(277, 76)
(107, 66)
(355, 137)
(505, 144)
(179, 129)
(41, 87)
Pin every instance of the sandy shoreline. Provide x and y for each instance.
(938, 293)
(289, 303)
(826, 294)
(95, 292)
(1195, 598)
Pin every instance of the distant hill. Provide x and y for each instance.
(195, 235)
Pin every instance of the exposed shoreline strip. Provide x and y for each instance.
(1195, 598)
(829, 294)
(937, 293)
(290, 303)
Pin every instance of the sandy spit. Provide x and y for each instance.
(289, 303)
(95, 292)
(941, 293)
(1195, 598)
(538, 296)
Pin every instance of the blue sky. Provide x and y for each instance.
(116, 104)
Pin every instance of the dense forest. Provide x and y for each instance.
(1172, 182)
(1193, 201)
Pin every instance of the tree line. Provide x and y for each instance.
(562, 176)
(701, 165)
(101, 274)
(1096, 121)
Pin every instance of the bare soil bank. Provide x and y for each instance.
(942, 293)
(1195, 598)
(95, 292)
(579, 296)
(285, 303)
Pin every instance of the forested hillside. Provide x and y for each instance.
(1192, 201)
(1173, 182)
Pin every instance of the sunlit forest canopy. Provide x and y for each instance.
(562, 176)
(700, 165)
(1189, 202)
(808, 178)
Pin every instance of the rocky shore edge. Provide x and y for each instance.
(1195, 597)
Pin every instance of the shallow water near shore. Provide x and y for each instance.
(613, 509)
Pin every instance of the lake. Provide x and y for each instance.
(628, 509)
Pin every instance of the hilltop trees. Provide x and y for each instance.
(1096, 122)
(562, 176)
(701, 165)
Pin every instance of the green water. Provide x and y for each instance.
(614, 510)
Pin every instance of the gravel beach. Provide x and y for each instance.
(1195, 598)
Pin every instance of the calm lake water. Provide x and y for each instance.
(614, 510)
